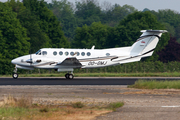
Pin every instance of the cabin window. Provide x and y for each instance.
(60, 53)
(107, 54)
(76, 53)
(44, 52)
(82, 53)
(88, 53)
(66, 53)
(38, 52)
(72, 53)
(54, 53)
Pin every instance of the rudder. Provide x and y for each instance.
(147, 42)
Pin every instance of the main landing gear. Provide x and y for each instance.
(15, 75)
(69, 76)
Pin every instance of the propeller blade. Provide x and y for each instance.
(30, 60)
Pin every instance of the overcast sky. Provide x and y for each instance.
(141, 4)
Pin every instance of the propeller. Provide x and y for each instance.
(30, 60)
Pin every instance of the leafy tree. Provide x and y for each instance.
(87, 12)
(38, 38)
(87, 8)
(48, 22)
(128, 30)
(125, 34)
(64, 12)
(116, 13)
(87, 36)
(13, 38)
(146, 9)
(171, 52)
(169, 16)
(177, 35)
(170, 29)
(171, 19)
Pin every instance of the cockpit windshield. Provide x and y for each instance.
(38, 52)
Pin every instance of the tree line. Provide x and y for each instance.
(88, 11)
(89, 22)
(30, 25)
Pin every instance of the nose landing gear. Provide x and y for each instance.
(15, 75)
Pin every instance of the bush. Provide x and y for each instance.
(44, 110)
(115, 105)
(154, 84)
(78, 105)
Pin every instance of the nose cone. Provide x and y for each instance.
(15, 61)
(23, 60)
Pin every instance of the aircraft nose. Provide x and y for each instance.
(14, 61)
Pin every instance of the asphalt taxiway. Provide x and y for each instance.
(78, 80)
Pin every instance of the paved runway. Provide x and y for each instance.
(79, 80)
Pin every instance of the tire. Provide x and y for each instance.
(71, 76)
(15, 75)
(67, 76)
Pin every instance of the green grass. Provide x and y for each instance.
(163, 74)
(11, 112)
(154, 84)
(115, 105)
(22, 109)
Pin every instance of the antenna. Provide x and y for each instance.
(93, 47)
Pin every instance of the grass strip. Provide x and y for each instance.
(115, 105)
(163, 74)
(154, 84)
(22, 108)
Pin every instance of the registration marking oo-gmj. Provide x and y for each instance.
(97, 63)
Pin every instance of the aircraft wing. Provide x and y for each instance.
(74, 62)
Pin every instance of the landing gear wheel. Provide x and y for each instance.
(15, 75)
(67, 76)
(71, 76)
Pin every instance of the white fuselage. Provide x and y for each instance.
(68, 59)
(89, 58)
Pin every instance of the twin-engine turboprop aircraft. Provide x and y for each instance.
(63, 59)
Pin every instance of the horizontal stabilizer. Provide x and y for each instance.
(154, 31)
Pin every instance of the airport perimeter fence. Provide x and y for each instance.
(136, 67)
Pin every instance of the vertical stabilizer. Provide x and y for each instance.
(146, 43)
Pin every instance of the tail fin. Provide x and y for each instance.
(147, 42)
